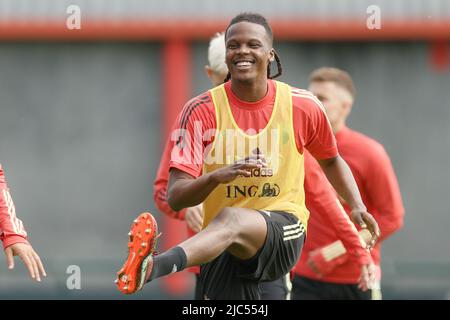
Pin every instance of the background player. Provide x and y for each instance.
(249, 256)
(14, 236)
(316, 276)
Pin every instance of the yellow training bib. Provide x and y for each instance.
(279, 186)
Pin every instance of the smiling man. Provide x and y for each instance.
(254, 224)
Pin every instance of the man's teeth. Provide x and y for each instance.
(243, 64)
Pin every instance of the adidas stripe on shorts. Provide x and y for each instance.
(228, 277)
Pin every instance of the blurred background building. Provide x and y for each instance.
(84, 113)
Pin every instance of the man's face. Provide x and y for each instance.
(248, 51)
(335, 99)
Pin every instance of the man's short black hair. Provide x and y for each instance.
(253, 18)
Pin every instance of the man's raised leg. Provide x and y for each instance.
(239, 231)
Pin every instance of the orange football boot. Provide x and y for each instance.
(141, 248)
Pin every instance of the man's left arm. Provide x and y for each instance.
(384, 198)
(316, 133)
(342, 180)
(383, 193)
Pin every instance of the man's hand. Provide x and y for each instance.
(194, 218)
(29, 257)
(187, 191)
(366, 221)
(367, 278)
(240, 168)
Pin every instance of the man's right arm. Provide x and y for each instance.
(187, 191)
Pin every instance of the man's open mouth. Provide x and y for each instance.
(244, 64)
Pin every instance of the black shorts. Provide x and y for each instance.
(228, 277)
(308, 289)
(275, 290)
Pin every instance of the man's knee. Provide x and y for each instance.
(240, 220)
(244, 229)
(228, 218)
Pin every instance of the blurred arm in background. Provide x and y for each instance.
(194, 215)
(14, 236)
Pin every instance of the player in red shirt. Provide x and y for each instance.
(319, 277)
(14, 236)
(251, 245)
